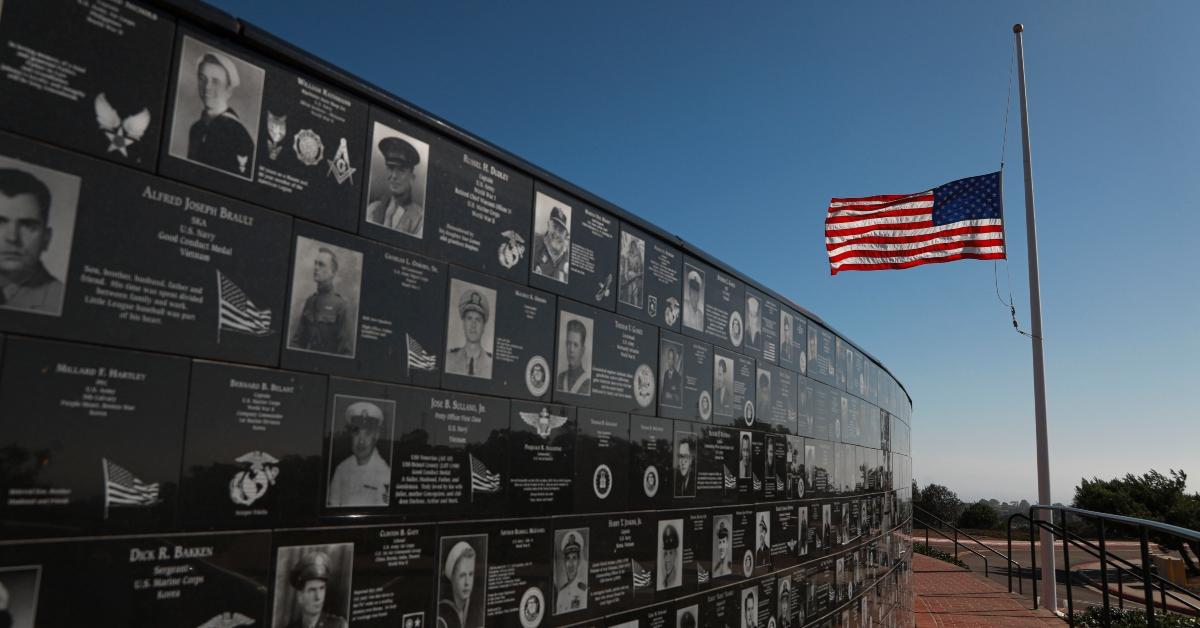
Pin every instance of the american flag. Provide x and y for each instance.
(701, 574)
(730, 479)
(962, 219)
(238, 312)
(483, 480)
(123, 488)
(418, 357)
(641, 576)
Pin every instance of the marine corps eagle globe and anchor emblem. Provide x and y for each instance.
(543, 421)
(512, 249)
(251, 483)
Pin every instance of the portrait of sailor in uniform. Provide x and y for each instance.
(397, 187)
(363, 477)
(672, 375)
(551, 238)
(633, 257)
(34, 254)
(220, 110)
(460, 589)
(470, 330)
(574, 354)
(571, 572)
(693, 298)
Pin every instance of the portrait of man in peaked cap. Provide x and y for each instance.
(470, 330)
(312, 586)
(360, 452)
(399, 171)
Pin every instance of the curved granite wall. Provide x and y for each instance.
(279, 347)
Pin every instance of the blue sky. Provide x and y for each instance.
(732, 124)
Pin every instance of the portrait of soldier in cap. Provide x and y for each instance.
(722, 562)
(570, 570)
(218, 99)
(723, 385)
(784, 588)
(671, 384)
(762, 538)
(753, 322)
(685, 464)
(470, 331)
(462, 569)
(34, 254)
(693, 297)
(399, 166)
(325, 290)
(670, 556)
(750, 607)
(551, 238)
(574, 354)
(633, 259)
(686, 617)
(312, 586)
(363, 477)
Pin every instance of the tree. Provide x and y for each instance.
(1151, 496)
(940, 502)
(979, 516)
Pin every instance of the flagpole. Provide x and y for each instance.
(1048, 584)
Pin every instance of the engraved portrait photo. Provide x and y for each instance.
(360, 452)
(762, 403)
(574, 372)
(632, 270)
(749, 607)
(326, 285)
(19, 595)
(685, 464)
(693, 298)
(722, 551)
(570, 570)
(802, 530)
(218, 102)
(462, 581)
(686, 616)
(670, 363)
(786, 344)
(551, 238)
(795, 467)
(745, 455)
(397, 185)
(753, 322)
(762, 538)
(670, 554)
(37, 223)
(470, 329)
(723, 385)
(312, 586)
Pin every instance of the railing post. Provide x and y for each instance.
(1104, 571)
(1147, 585)
(1120, 590)
(1010, 561)
(1067, 569)
(1033, 573)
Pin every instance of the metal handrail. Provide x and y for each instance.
(958, 531)
(985, 560)
(1133, 521)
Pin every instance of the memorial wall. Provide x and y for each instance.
(279, 349)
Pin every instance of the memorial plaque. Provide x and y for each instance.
(806, 391)
(362, 309)
(820, 354)
(774, 467)
(776, 405)
(762, 327)
(604, 360)
(499, 337)
(366, 576)
(91, 76)
(783, 535)
(824, 594)
(733, 388)
(495, 574)
(766, 602)
(139, 582)
(687, 612)
(827, 410)
(662, 615)
(428, 194)
(252, 449)
(819, 466)
(796, 478)
(751, 463)
(685, 367)
(574, 249)
(713, 303)
(650, 279)
(256, 130)
(717, 464)
(719, 609)
(652, 455)
(451, 454)
(541, 458)
(610, 556)
(93, 438)
(144, 262)
(745, 538)
(842, 360)
(792, 343)
(602, 462)
(697, 546)
(363, 422)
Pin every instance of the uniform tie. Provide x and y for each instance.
(471, 367)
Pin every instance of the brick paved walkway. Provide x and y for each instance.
(946, 595)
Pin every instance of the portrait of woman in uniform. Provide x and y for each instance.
(218, 102)
(462, 580)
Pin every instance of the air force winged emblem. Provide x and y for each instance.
(120, 132)
(251, 483)
(543, 421)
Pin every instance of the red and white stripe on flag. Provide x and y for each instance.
(894, 231)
